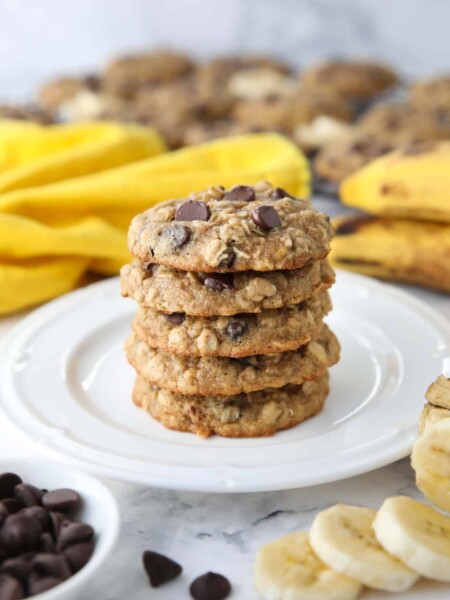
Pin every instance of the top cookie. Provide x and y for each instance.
(258, 228)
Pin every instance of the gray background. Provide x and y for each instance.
(38, 39)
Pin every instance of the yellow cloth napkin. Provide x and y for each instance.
(66, 211)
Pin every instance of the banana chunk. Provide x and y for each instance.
(431, 415)
(417, 535)
(288, 569)
(438, 394)
(435, 489)
(342, 536)
(431, 452)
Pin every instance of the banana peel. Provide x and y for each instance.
(410, 183)
(400, 250)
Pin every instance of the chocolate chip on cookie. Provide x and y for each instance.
(240, 193)
(219, 281)
(179, 235)
(236, 329)
(175, 318)
(266, 217)
(279, 193)
(193, 211)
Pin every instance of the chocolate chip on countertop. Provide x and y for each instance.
(192, 211)
(51, 565)
(210, 586)
(28, 494)
(179, 235)
(40, 515)
(240, 193)
(219, 281)
(73, 533)
(19, 533)
(10, 588)
(8, 482)
(78, 555)
(159, 568)
(175, 318)
(12, 505)
(279, 194)
(236, 329)
(19, 568)
(266, 217)
(63, 500)
(38, 584)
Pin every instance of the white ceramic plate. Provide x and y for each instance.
(65, 384)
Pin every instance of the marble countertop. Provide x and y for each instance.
(222, 532)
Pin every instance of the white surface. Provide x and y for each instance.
(64, 382)
(99, 509)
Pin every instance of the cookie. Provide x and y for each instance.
(284, 113)
(345, 156)
(244, 228)
(247, 415)
(267, 332)
(321, 132)
(256, 83)
(199, 132)
(431, 93)
(53, 94)
(26, 113)
(400, 124)
(87, 105)
(171, 291)
(211, 376)
(127, 74)
(352, 80)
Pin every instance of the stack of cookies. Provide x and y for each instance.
(232, 291)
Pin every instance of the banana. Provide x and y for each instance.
(438, 393)
(288, 569)
(416, 534)
(343, 538)
(410, 183)
(431, 452)
(435, 489)
(407, 251)
(431, 415)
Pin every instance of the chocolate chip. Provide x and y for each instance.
(193, 211)
(78, 555)
(210, 586)
(38, 584)
(236, 329)
(10, 588)
(240, 193)
(46, 543)
(51, 565)
(159, 568)
(352, 224)
(28, 494)
(3, 513)
(175, 318)
(73, 533)
(19, 568)
(266, 217)
(179, 235)
(279, 193)
(229, 256)
(19, 534)
(421, 148)
(40, 515)
(63, 500)
(219, 281)
(12, 505)
(57, 519)
(8, 482)
(92, 82)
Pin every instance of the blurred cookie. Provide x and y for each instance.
(431, 93)
(204, 131)
(252, 84)
(256, 414)
(26, 113)
(127, 74)
(53, 94)
(350, 79)
(344, 156)
(286, 113)
(87, 105)
(320, 132)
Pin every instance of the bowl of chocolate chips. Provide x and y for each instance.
(57, 528)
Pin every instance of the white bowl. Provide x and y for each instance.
(99, 509)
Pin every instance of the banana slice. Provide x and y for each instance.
(431, 452)
(288, 569)
(343, 538)
(435, 489)
(431, 415)
(438, 393)
(416, 534)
